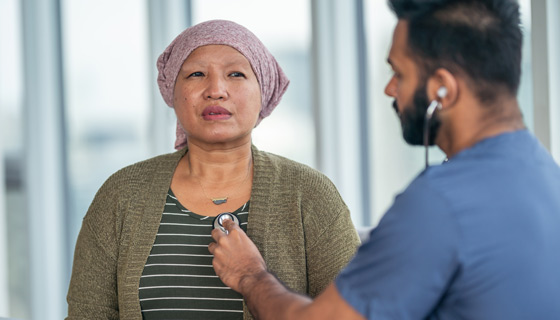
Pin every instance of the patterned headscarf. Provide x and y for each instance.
(272, 80)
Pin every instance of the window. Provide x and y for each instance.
(107, 94)
(14, 250)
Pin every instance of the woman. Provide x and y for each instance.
(142, 250)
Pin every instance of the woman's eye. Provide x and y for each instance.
(237, 75)
(196, 74)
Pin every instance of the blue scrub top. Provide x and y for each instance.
(475, 238)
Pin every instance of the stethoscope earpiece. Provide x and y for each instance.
(221, 218)
(442, 92)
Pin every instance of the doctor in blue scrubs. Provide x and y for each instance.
(477, 237)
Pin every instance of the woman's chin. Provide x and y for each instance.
(221, 140)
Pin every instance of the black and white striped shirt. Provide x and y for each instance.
(178, 281)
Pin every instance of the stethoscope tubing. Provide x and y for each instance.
(429, 114)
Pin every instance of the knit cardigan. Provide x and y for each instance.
(297, 220)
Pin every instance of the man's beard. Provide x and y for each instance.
(412, 119)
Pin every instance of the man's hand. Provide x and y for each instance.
(237, 261)
(239, 264)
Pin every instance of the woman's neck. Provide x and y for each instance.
(219, 165)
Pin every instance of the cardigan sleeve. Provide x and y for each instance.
(332, 240)
(93, 286)
(300, 223)
(334, 249)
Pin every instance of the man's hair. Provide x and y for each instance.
(481, 39)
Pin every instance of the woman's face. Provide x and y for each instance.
(217, 97)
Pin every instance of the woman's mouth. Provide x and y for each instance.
(212, 113)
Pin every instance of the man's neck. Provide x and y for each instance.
(474, 123)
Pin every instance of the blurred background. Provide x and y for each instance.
(79, 100)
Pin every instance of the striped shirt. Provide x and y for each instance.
(178, 281)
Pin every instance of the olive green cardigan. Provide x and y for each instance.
(297, 219)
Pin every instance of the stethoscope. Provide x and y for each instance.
(436, 104)
(223, 217)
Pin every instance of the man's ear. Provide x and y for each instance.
(443, 87)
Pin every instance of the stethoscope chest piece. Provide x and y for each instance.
(221, 218)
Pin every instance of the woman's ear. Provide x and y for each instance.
(443, 87)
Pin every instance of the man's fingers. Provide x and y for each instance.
(229, 225)
(217, 234)
(212, 247)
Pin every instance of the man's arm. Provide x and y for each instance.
(239, 264)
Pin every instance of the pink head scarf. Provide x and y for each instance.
(271, 78)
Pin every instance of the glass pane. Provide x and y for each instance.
(14, 261)
(107, 93)
(289, 131)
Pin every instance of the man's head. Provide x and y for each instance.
(478, 41)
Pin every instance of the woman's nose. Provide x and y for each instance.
(216, 88)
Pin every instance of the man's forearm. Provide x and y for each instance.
(268, 298)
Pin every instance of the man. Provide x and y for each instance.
(477, 237)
